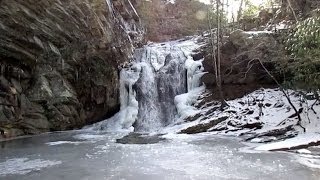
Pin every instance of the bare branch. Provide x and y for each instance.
(297, 113)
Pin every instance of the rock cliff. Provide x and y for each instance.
(241, 54)
(59, 62)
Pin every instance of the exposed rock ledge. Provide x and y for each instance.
(59, 62)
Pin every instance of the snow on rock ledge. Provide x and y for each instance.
(301, 141)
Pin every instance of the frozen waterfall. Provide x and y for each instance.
(153, 89)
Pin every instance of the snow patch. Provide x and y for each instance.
(304, 151)
(63, 142)
(302, 139)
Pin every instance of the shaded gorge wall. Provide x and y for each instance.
(59, 62)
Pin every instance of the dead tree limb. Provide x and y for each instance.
(285, 94)
(294, 14)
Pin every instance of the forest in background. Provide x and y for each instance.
(294, 23)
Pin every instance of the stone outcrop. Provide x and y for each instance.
(165, 21)
(241, 70)
(200, 128)
(60, 60)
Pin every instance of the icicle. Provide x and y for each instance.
(194, 73)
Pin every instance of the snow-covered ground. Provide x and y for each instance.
(300, 140)
(260, 117)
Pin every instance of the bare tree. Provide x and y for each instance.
(240, 11)
(293, 12)
(216, 52)
(297, 112)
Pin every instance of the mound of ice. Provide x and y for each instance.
(185, 101)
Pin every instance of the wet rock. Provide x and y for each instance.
(209, 79)
(274, 133)
(249, 112)
(239, 38)
(198, 55)
(59, 61)
(34, 124)
(4, 84)
(268, 105)
(10, 132)
(193, 118)
(199, 128)
(8, 112)
(3, 117)
(16, 84)
(254, 125)
(136, 138)
(249, 125)
(212, 110)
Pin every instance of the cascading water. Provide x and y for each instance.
(149, 89)
(162, 77)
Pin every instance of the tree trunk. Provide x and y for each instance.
(218, 61)
(293, 12)
(240, 11)
(285, 94)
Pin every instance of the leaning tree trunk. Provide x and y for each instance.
(285, 94)
(240, 13)
(218, 59)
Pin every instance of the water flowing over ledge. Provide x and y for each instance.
(158, 87)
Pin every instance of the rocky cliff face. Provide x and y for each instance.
(241, 54)
(165, 21)
(59, 62)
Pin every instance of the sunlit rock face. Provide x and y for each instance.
(59, 61)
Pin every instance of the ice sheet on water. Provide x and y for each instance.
(55, 143)
(24, 165)
(309, 160)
